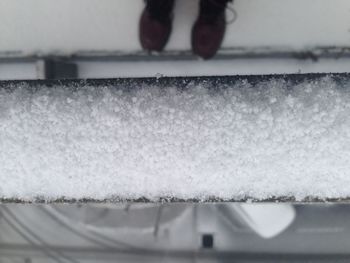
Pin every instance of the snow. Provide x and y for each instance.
(68, 27)
(195, 140)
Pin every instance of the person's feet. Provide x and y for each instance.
(209, 29)
(156, 24)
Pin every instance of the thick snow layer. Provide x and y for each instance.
(257, 141)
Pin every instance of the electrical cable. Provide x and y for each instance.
(66, 225)
(31, 242)
(35, 236)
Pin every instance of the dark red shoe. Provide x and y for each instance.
(156, 24)
(209, 29)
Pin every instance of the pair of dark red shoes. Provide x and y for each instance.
(207, 33)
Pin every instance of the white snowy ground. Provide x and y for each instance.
(244, 141)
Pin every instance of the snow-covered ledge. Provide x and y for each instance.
(210, 138)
